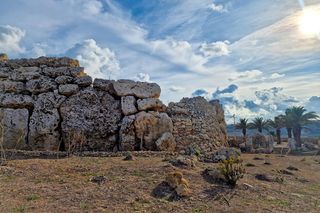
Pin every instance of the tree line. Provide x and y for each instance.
(294, 120)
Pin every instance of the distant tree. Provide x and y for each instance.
(288, 122)
(298, 118)
(278, 123)
(259, 123)
(243, 124)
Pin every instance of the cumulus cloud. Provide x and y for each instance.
(313, 104)
(176, 89)
(230, 89)
(99, 62)
(215, 49)
(200, 92)
(276, 75)
(217, 8)
(10, 38)
(144, 77)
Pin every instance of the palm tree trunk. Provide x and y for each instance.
(297, 135)
(278, 135)
(244, 132)
(289, 131)
(260, 130)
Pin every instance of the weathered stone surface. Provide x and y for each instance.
(54, 72)
(198, 124)
(41, 85)
(95, 114)
(43, 61)
(77, 71)
(166, 142)
(127, 135)
(104, 85)
(4, 72)
(64, 79)
(83, 81)
(13, 128)
(44, 122)
(150, 127)
(25, 73)
(15, 101)
(11, 86)
(153, 104)
(128, 105)
(68, 89)
(137, 89)
(261, 143)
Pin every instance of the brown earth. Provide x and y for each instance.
(63, 185)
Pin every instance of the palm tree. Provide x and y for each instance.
(288, 122)
(259, 123)
(299, 117)
(243, 124)
(278, 123)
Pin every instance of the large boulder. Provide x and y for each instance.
(13, 128)
(104, 85)
(95, 114)
(137, 89)
(11, 86)
(127, 135)
(68, 89)
(44, 122)
(42, 85)
(128, 105)
(25, 73)
(166, 142)
(153, 104)
(15, 101)
(150, 126)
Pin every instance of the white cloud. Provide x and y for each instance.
(10, 38)
(144, 77)
(99, 62)
(214, 49)
(92, 7)
(176, 89)
(217, 8)
(276, 75)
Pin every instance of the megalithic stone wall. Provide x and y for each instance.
(51, 104)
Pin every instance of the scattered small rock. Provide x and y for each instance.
(257, 158)
(250, 165)
(285, 172)
(264, 177)
(98, 179)
(128, 157)
(186, 162)
(292, 168)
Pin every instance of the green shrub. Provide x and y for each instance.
(232, 170)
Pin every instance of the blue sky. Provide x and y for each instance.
(252, 55)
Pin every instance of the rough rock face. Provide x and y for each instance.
(198, 124)
(137, 89)
(150, 126)
(13, 128)
(51, 104)
(95, 114)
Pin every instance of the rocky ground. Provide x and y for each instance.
(111, 184)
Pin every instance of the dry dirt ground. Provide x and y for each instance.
(63, 185)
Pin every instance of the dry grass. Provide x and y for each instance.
(63, 185)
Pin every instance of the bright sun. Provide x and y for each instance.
(309, 23)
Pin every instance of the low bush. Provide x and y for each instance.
(232, 170)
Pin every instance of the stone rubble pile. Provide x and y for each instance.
(51, 104)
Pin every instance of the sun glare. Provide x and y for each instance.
(309, 23)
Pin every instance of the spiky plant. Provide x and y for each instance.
(243, 125)
(260, 124)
